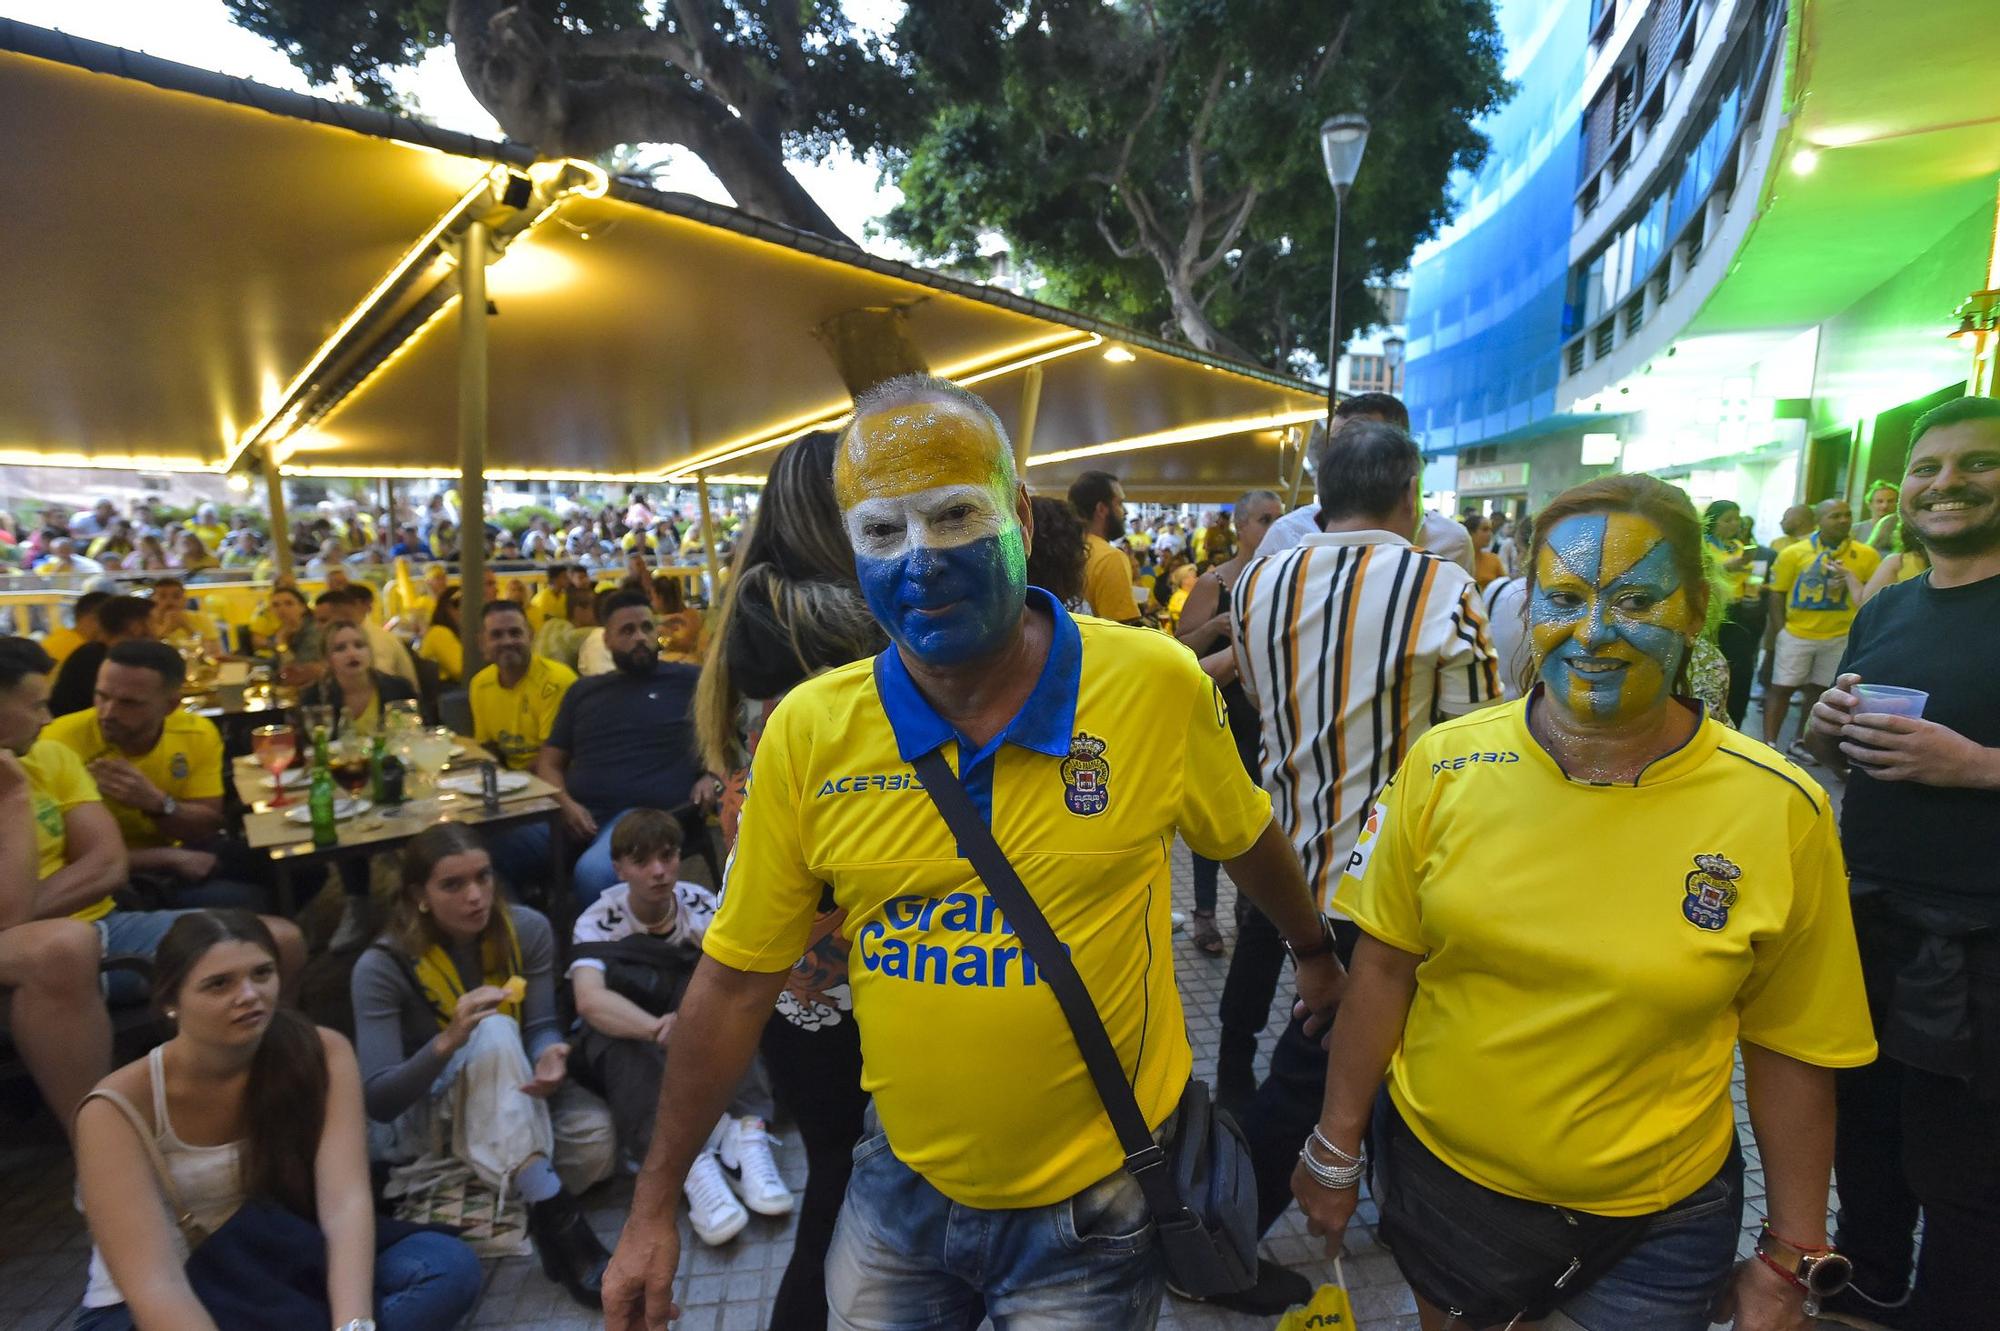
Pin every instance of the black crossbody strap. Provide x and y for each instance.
(1143, 1156)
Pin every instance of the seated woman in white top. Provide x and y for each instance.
(245, 1102)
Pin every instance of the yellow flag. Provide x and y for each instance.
(1329, 1308)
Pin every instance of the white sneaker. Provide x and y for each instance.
(713, 1210)
(745, 1155)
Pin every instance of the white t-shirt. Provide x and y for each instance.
(609, 918)
(1440, 536)
(1506, 624)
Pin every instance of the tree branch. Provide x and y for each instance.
(647, 43)
(1122, 251)
(1229, 234)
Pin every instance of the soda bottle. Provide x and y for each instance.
(320, 796)
(378, 748)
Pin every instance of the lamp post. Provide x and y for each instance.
(1342, 140)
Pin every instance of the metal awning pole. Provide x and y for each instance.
(708, 541)
(281, 526)
(1299, 472)
(1031, 408)
(471, 441)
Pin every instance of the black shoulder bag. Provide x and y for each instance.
(1198, 1184)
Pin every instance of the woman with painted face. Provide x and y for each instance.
(1535, 1048)
(245, 1103)
(462, 1052)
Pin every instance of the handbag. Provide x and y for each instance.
(1198, 1183)
(264, 1268)
(1486, 1258)
(651, 973)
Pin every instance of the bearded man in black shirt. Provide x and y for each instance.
(1920, 825)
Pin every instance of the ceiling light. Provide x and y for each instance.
(1119, 355)
(1804, 162)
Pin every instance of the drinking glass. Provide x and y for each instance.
(430, 749)
(275, 747)
(350, 763)
(401, 717)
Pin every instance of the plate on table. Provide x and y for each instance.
(457, 751)
(343, 807)
(467, 783)
(293, 778)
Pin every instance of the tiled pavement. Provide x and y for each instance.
(44, 1249)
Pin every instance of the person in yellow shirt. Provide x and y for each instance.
(552, 600)
(157, 768)
(1574, 910)
(62, 640)
(59, 850)
(1088, 748)
(1099, 501)
(440, 644)
(515, 699)
(208, 527)
(1816, 586)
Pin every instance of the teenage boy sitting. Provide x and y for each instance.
(635, 948)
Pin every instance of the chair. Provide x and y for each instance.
(454, 709)
(429, 684)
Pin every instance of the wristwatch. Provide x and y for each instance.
(169, 806)
(1821, 1272)
(358, 1324)
(1322, 948)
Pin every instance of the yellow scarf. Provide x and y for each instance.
(439, 976)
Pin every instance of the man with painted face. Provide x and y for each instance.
(1921, 825)
(1575, 909)
(1816, 585)
(989, 1179)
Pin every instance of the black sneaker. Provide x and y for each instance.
(1276, 1290)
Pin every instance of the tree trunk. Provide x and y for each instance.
(1194, 321)
(512, 68)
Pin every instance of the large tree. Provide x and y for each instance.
(739, 83)
(1158, 160)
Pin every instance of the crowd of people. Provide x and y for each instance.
(1484, 780)
(151, 537)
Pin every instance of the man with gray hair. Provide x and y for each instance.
(989, 1179)
(1351, 645)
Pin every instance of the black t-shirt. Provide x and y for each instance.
(1941, 846)
(630, 739)
(75, 688)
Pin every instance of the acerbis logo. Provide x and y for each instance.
(863, 782)
(1466, 759)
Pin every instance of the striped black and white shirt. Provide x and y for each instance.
(1352, 645)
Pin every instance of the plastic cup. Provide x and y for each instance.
(1890, 699)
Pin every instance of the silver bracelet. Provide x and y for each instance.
(1319, 1138)
(1328, 1176)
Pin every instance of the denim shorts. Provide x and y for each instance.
(132, 933)
(1668, 1282)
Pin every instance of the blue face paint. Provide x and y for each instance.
(1609, 619)
(951, 604)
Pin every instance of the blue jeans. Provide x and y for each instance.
(132, 933)
(1668, 1282)
(907, 1258)
(594, 873)
(426, 1282)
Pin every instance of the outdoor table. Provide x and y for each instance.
(289, 845)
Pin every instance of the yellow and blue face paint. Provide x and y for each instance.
(1610, 621)
(928, 499)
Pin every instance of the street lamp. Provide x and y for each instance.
(1342, 140)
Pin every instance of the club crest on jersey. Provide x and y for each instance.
(179, 767)
(1086, 776)
(1711, 891)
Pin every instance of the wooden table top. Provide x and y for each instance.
(272, 831)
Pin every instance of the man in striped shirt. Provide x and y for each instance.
(1352, 645)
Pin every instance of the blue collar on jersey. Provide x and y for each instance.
(1044, 723)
